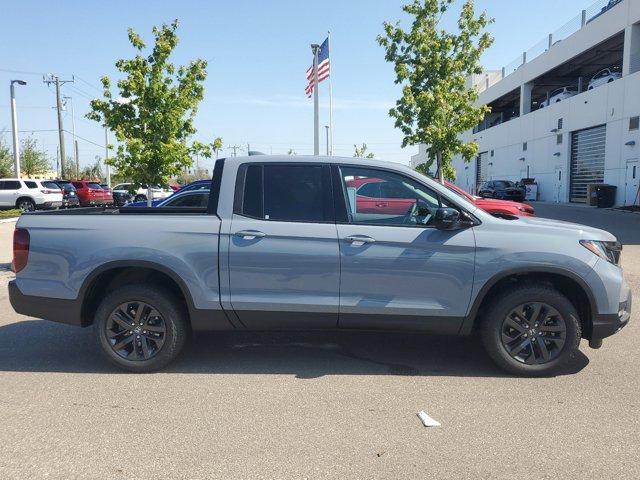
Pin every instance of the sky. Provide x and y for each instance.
(258, 52)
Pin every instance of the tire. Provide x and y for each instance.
(167, 331)
(26, 205)
(561, 347)
(140, 198)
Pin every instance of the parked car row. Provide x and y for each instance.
(606, 75)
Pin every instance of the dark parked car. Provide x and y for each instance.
(69, 194)
(197, 185)
(502, 189)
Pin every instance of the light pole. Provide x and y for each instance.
(14, 125)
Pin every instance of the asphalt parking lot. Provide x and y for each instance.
(318, 405)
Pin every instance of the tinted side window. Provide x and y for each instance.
(11, 185)
(296, 193)
(30, 184)
(193, 200)
(252, 198)
(77, 184)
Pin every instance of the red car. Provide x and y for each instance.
(91, 193)
(375, 195)
(493, 205)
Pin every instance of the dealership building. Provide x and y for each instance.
(565, 113)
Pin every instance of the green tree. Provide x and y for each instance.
(93, 171)
(431, 65)
(152, 118)
(361, 152)
(6, 159)
(33, 161)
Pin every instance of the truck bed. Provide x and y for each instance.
(124, 211)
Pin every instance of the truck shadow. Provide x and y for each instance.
(40, 346)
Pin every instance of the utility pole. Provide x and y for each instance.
(106, 156)
(56, 80)
(315, 48)
(73, 134)
(235, 148)
(14, 125)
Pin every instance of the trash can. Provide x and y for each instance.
(606, 195)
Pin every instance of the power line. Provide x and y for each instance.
(89, 84)
(87, 140)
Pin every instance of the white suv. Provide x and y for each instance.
(140, 194)
(28, 195)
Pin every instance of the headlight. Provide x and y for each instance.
(609, 251)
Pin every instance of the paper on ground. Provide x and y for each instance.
(427, 421)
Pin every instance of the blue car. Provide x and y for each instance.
(197, 185)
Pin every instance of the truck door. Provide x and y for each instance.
(398, 270)
(284, 267)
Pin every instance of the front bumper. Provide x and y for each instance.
(605, 325)
(55, 309)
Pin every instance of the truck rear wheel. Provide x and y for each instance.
(141, 328)
(531, 331)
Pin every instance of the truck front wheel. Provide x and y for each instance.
(141, 328)
(531, 331)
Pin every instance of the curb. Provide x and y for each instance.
(9, 220)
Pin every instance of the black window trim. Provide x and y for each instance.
(238, 198)
(340, 200)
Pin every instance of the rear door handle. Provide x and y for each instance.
(359, 240)
(250, 234)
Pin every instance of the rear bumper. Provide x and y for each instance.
(50, 205)
(605, 325)
(54, 309)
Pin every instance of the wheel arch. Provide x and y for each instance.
(567, 282)
(109, 275)
(26, 197)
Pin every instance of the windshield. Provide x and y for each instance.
(504, 184)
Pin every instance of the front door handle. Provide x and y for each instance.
(250, 234)
(359, 240)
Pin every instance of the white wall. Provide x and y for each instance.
(611, 104)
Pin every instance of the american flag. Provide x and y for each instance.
(324, 68)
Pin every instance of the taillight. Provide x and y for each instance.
(20, 249)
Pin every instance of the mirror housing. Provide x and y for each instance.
(448, 219)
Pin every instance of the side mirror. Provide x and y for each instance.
(447, 218)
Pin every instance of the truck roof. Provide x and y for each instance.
(315, 159)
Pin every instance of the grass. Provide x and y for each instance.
(14, 212)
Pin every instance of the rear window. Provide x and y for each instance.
(77, 184)
(30, 184)
(51, 185)
(94, 185)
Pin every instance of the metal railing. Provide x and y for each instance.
(587, 15)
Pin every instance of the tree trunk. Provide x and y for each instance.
(439, 165)
(149, 197)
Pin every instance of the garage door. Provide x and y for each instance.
(587, 160)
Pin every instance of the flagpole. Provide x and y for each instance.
(316, 119)
(330, 98)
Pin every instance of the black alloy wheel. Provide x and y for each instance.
(136, 331)
(533, 333)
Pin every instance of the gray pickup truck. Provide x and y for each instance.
(305, 243)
